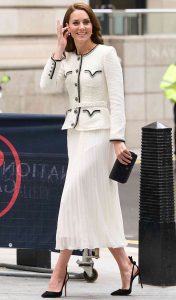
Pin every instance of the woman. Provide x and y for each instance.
(90, 213)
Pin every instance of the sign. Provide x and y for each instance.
(33, 164)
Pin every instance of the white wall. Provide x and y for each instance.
(31, 17)
(161, 4)
(35, 3)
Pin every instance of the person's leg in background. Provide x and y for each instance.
(175, 128)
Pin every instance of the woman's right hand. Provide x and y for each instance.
(62, 35)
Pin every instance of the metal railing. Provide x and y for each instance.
(137, 21)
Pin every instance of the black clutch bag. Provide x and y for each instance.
(122, 172)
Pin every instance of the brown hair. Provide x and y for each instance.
(96, 33)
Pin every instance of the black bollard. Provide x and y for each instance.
(157, 234)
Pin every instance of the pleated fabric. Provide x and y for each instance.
(90, 213)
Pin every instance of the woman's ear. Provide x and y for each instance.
(66, 24)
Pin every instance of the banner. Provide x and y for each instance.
(33, 163)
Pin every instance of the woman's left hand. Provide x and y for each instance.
(122, 153)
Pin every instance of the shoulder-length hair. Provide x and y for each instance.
(96, 36)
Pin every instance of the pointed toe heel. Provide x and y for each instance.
(121, 292)
(50, 294)
(125, 292)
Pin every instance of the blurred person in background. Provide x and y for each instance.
(168, 86)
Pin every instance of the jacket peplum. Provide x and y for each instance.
(94, 83)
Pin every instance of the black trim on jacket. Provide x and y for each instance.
(117, 140)
(91, 113)
(92, 74)
(79, 100)
(54, 67)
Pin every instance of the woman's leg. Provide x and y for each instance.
(58, 275)
(124, 264)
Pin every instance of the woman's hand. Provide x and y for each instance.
(62, 35)
(122, 153)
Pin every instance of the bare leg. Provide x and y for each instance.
(124, 264)
(58, 275)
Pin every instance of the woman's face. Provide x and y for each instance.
(80, 26)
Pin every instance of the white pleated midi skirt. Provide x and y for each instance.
(90, 213)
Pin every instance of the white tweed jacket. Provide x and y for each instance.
(94, 83)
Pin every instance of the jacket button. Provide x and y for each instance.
(78, 58)
(75, 111)
(77, 70)
(72, 124)
(76, 84)
(76, 99)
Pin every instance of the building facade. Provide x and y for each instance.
(27, 39)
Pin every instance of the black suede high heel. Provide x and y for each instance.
(49, 294)
(125, 292)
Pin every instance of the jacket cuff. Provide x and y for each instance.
(119, 140)
(56, 59)
(53, 66)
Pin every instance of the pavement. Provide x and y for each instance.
(23, 285)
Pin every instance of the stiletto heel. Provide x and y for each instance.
(140, 279)
(66, 284)
(49, 294)
(125, 292)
